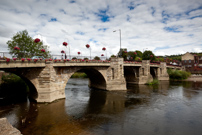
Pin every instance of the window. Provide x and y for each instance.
(189, 61)
(185, 61)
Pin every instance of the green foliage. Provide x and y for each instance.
(79, 75)
(85, 58)
(178, 74)
(138, 59)
(132, 55)
(154, 82)
(28, 47)
(13, 86)
(148, 55)
(96, 58)
(113, 55)
(74, 58)
(139, 53)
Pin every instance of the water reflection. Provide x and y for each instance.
(168, 108)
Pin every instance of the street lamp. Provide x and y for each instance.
(120, 37)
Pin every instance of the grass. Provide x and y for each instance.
(79, 75)
(154, 82)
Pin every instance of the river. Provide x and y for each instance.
(171, 108)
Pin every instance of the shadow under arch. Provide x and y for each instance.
(96, 79)
(131, 75)
(32, 93)
(153, 73)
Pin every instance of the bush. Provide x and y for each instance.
(178, 74)
(79, 75)
(154, 82)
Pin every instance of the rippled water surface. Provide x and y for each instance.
(171, 108)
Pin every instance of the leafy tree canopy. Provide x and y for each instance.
(96, 58)
(27, 46)
(148, 55)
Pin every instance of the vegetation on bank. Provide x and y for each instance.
(154, 82)
(178, 74)
(79, 75)
(13, 88)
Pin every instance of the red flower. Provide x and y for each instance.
(103, 48)
(37, 40)
(16, 48)
(65, 43)
(151, 55)
(135, 53)
(102, 55)
(79, 53)
(50, 59)
(14, 59)
(87, 46)
(62, 51)
(29, 59)
(125, 51)
(35, 60)
(23, 59)
(42, 50)
(7, 59)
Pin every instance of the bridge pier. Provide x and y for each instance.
(162, 74)
(144, 73)
(115, 75)
(49, 86)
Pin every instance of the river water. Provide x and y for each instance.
(171, 108)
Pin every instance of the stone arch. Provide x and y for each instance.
(131, 74)
(96, 76)
(24, 74)
(153, 72)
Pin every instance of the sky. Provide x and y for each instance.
(166, 27)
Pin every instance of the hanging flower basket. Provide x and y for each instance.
(35, 60)
(7, 59)
(87, 46)
(22, 59)
(103, 48)
(62, 51)
(29, 59)
(102, 54)
(43, 50)
(16, 48)
(65, 43)
(37, 40)
(79, 53)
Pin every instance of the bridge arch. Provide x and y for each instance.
(33, 93)
(131, 74)
(96, 76)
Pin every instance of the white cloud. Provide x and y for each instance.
(79, 23)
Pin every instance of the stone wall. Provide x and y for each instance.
(7, 129)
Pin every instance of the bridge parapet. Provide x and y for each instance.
(20, 64)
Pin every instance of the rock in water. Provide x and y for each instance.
(7, 129)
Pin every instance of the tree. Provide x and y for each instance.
(148, 55)
(26, 46)
(97, 58)
(139, 53)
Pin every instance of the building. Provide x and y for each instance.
(192, 62)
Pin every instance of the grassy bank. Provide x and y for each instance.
(178, 74)
(79, 75)
(154, 82)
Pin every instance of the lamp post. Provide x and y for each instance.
(120, 37)
(88, 47)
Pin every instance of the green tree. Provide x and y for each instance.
(148, 55)
(96, 58)
(139, 53)
(28, 47)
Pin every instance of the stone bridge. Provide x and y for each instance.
(47, 79)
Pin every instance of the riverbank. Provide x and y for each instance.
(195, 78)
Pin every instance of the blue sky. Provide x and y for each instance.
(162, 26)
